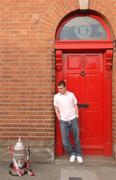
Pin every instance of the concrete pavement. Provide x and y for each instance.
(64, 171)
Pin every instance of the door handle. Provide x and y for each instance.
(82, 73)
(83, 105)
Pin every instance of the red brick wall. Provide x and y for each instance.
(27, 65)
(26, 72)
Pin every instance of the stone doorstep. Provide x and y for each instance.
(88, 161)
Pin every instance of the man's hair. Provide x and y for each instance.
(62, 82)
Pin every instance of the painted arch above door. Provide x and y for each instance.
(83, 27)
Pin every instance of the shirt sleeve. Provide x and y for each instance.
(74, 99)
(55, 102)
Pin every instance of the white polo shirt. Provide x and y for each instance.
(65, 103)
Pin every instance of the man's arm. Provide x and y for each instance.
(76, 110)
(57, 112)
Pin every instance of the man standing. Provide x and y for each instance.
(66, 110)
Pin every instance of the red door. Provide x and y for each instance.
(84, 77)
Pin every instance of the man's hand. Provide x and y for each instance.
(76, 110)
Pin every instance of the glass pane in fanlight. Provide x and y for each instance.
(83, 28)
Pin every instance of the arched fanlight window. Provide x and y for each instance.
(83, 28)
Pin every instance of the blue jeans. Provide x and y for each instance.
(66, 127)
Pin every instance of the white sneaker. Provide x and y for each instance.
(79, 159)
(72, 158)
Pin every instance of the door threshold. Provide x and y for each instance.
(89, 160)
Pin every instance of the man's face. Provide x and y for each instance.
(62, 89)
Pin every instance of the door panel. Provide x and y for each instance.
(84, 77)
(93, 63)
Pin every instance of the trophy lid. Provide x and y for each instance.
(19, 145)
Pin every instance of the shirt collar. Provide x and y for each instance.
(67, 92)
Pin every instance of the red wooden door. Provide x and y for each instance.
(84, 76)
